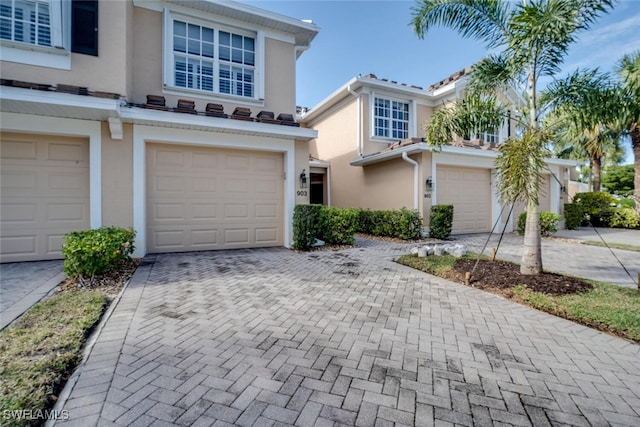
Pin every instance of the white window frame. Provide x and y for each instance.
(168, 61)
(58, 55)
(411, 108)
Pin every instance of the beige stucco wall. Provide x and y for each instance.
(279, 71)
(117, 178)
(106, 72)
(387, 185)
(423, 116)
(302, 162)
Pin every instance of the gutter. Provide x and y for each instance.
(359, 121)
(416, 179)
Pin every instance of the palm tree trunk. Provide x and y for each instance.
(596, 162)
(532, 248)
(635, 145)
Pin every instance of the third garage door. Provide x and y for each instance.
(211, 198)
(469, 191)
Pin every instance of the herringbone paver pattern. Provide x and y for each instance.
(272, 337)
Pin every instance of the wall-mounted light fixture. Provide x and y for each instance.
(303, 179)
(429, 184)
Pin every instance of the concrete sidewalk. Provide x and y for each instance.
(272, 337)
(23, 284)
(610, 235)
(566, 256)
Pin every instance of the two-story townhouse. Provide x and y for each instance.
(371, 152)
(174, 117)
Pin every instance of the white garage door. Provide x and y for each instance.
(44, 195)
(469, 191)
(210, 198)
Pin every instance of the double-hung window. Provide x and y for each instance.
(391, 119)
(26, 21)
(490, 136)
(211, 59)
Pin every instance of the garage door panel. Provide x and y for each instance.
(66, 152)
(65, 212)
(469, 191)
(266, 235)
(231, 199)
(236, 236)
(204, 160)
(205, 211)
(20, 149)
(45, 194)
(204, 238)
(236, 210)
(169, 211)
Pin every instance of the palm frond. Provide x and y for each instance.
(478, 19)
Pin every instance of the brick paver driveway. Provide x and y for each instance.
(272, 337)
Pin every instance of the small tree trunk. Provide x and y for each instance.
(596, 162)
(532, 250)
(635, 145)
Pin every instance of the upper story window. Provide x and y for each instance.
(26, 21)
(490, 136)
(391, 119)
(213, 59)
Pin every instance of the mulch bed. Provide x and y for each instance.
(109, 283)
(502, 276)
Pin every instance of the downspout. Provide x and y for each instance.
(416, 179)
(359, 121)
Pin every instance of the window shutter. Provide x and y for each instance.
(84, 27)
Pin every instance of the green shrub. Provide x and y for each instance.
(306, 226)
(627, 203)
(593, 205)
(572, 215)
(441, 221)
(90, 252)
(338, 226)
(624, 218)
(404, 223)
(548, 223)
(410, 224)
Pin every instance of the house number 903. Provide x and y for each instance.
(302, 192)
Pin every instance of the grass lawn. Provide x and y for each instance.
(40, 350)
(606, 307)
(613, 245)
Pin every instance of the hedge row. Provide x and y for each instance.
(548, 223)
(338, 226)
(598, 208)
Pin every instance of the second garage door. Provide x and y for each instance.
(469, 191)
(44, 195)
(210, 198)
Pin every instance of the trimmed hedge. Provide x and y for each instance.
(404, 223)
(624, 218)
(548, 223)
(572, 215)
(338, 226)
(306, 226)
(90, 252)
(441, 221)
(595, 206)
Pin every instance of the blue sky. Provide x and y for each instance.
(361, 37)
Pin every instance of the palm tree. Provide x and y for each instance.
(582, 115)
(629, 71)
(532, 39)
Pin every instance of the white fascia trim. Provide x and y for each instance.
(165, 119)
(110, 107)
(388, 155)
(143, 133)
(70, 127)
(318, 163)
(473, 152)
(562, 162)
